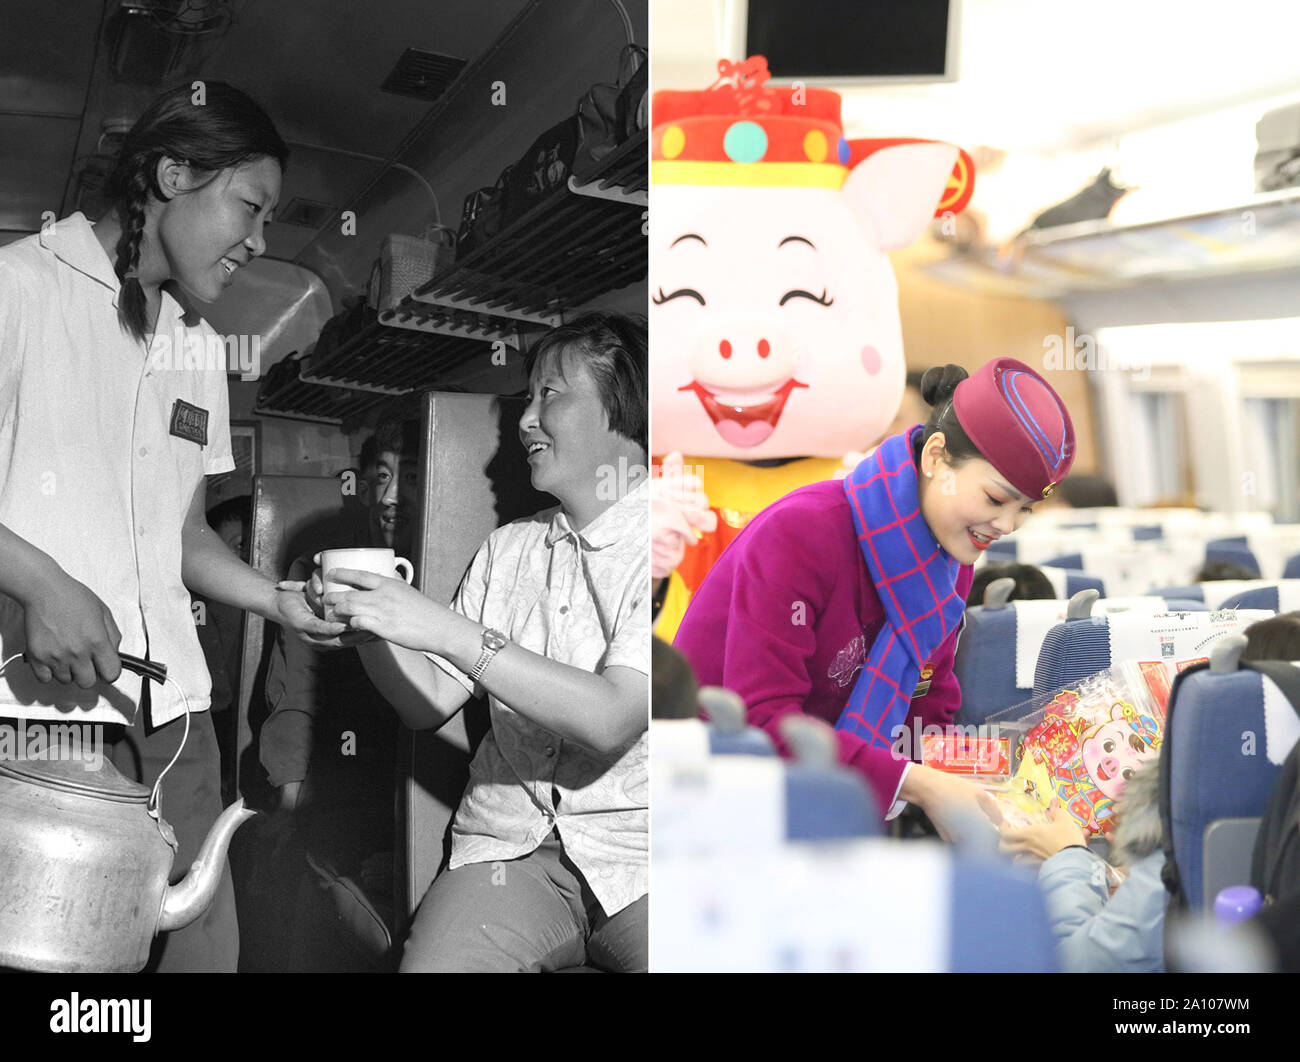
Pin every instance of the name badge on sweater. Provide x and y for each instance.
(923, 687)
(190, 422)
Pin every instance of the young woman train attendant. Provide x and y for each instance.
(845, 599)
(105, 439)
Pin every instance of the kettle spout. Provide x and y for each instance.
(189, 898)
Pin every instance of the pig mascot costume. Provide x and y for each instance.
(775, 337)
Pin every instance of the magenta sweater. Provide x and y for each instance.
(786, 617)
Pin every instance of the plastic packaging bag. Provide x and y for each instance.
(1081, 743)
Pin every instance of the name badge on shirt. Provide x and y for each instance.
(923, 687)
(190, 422)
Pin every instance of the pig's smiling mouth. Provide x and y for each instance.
(747, 423)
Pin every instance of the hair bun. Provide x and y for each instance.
(938, 383)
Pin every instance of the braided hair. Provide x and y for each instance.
(209, 131)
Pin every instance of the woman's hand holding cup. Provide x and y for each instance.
(384, 606)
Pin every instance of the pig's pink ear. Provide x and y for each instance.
(894, 191)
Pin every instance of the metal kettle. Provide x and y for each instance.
(85, 859)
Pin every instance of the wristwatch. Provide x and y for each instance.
(493, 643)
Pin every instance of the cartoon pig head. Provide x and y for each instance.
(1117, 748)
(774, 319)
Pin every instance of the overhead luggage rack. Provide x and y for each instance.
(576, 244)
(623, 177)
(568, 249)
(285, 394)
(1257, 235)
(396, 361)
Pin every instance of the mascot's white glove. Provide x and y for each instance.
(679, 514)
(850, 461)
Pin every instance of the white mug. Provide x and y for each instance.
(379, 561)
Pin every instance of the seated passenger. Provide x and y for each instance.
(674, 692)
(549, 863)
(1217, 571)
(329, 744)
(1121, 931)
(1097, 930)
(1031, 583)
(1088, 492)
(1275, 638)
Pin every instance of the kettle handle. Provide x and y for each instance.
(157, 672)
(150, 669)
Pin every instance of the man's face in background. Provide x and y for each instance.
(232, 534)
(390, 491)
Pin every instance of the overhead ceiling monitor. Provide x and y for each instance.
(847, 42)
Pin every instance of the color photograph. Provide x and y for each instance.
(975, 375)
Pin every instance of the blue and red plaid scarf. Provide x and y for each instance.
(916, 581)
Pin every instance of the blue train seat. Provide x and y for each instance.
(1281, 596)
(1230, 729)
(1234, 550)
(1069, 581)
(738, 802)
(1077, 648)
(694, 739)
(997, 654)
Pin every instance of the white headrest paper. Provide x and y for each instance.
(1218, 591)
(1175, 635)
(1281, 723)
(1033, 620)
(1057, 577)
(1288, 595)
(804, 908)
(731, 803)
(679, 740)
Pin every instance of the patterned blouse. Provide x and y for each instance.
(580, 598)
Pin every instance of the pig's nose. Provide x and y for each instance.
(742, 356)
(764, 348)
(1110, 765)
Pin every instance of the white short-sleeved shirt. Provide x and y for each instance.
(102, 447)
(581, 598)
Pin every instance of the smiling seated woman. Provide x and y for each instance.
(549, 866)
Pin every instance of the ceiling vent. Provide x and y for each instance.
(306, 212)
(422, 75)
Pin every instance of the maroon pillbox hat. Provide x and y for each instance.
(1019, 424)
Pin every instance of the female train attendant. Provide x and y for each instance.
(107, 430)
(844, 599)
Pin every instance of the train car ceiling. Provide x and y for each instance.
(388, 108)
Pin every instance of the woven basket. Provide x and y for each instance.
(405, 263)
